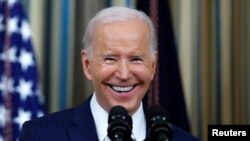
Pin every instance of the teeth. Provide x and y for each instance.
(122, 89)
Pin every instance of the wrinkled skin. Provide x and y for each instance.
(122, 66)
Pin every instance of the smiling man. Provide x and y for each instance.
(121, 64)
(119, 58)
(120, 61)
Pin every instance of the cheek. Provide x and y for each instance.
(101, 71)
(146, 73)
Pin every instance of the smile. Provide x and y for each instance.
(121, 89)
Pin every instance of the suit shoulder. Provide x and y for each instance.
(58, 125)
(49, 127)
(52, 119)
(180, 135)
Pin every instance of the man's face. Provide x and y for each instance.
(121, 66)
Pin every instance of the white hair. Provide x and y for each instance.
(117, 14)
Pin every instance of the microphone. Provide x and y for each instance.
(159, 128)
(119, 124)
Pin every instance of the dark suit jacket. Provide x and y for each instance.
(75, 124)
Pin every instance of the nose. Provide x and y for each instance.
(124, 72)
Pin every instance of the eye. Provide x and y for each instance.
(110, 60)
(137, 59)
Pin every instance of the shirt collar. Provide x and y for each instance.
(139, 124)
(100, 118)
(101, 121)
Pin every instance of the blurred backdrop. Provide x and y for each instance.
(212, 42)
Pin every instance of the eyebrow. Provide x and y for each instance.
(110, 54)
(107, 55)
(138, 55)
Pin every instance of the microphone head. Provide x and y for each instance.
(154, 111)
(157, 122)
(119, 124)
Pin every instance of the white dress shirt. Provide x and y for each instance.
(101, 121)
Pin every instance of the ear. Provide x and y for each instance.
(86, 64)
(154, 64)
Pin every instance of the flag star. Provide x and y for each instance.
(12, 25)
(9, 55)
(1, 138)
(2, 1)
(38, 94)
(22, 117)
(25, 59)
(40, 114)
(24, 88)
(11, 2)
(25, 30)
(1, 23)
(6, 85)
(3, 116)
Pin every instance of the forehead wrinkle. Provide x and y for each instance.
(110, 40)
(105, 36)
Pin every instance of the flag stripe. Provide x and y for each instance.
(7, 131)
(20, 95)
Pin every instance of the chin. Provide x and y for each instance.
(130, 108)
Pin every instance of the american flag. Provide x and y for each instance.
(20, 95)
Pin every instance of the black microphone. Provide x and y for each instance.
(119, 124)
(159, 128)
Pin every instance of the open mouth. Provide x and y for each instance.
(122, 89)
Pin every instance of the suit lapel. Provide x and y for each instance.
(82, 126)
